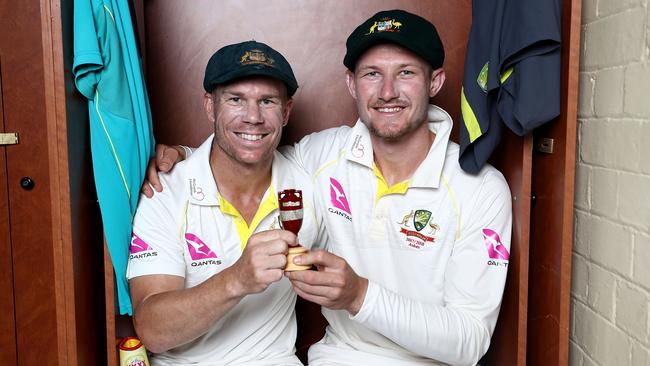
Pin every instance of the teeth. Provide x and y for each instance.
(250, 137)
(390, 110)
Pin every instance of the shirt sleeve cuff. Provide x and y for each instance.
(372, 293)
(169, 268)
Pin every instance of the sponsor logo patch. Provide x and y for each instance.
(339, 200)
(200, 252)
(497, 252)
(139, 249)
(138, 245)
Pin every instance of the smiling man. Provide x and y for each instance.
(207, 257)
(411, 274)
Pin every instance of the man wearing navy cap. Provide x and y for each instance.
(417, 250)
(207, 257)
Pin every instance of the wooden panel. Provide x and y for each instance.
(513, 159)
(109, 288)
(7, 319)
(552, 216)
(57, 178)
(30, 220)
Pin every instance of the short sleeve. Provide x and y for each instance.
(156, 245)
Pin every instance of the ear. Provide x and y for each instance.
(208, 105)
(437, 80)
(288, 106)
(349, 79)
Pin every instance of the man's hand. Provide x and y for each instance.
(263, 261)
(335, 285)
(165, 159)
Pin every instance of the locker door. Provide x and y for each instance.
(8, 319)
(26, 251)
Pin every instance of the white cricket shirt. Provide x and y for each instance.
(434, 249)
(189, 230)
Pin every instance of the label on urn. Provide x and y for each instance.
(291, 213)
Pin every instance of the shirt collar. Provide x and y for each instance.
(199, 179)
(203, 189)
(358, 148)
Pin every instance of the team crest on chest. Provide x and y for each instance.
(424, 225)
(421, 219)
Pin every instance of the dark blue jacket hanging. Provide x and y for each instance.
(512, 74)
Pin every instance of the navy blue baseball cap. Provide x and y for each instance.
(400, 27)
(248, 58)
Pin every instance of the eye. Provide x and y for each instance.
(407, 72)
(268, 102)
(371, 74)
(234, 100)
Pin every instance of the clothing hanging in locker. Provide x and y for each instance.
(108, 73)
(512, 74)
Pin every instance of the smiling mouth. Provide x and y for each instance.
(389, 109)
(250, 137)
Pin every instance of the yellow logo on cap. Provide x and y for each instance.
(256, 57)
(385, 25)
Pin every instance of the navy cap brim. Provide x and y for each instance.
(361, 47)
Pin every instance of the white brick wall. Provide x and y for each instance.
(610, 292)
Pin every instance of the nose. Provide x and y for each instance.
(388, 90)
(253, 114)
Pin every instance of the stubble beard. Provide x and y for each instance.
(392, 135)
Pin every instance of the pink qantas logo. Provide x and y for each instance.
(337, 196)
(138, 245)
(198, 249)
(495, 249)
